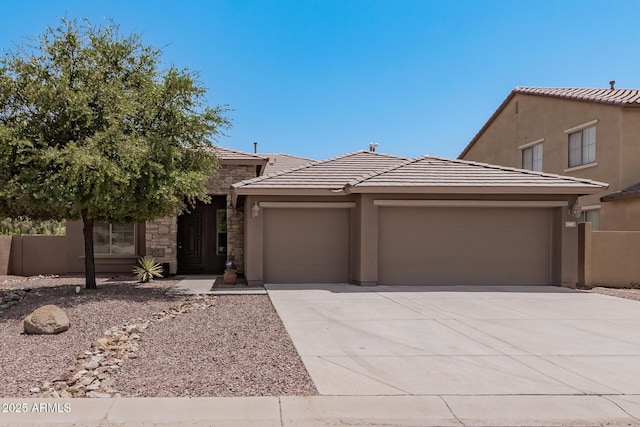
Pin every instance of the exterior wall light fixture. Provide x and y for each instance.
(255, 210)
(575, 210)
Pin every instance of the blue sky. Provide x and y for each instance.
(322, 78)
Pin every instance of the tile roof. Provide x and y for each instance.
(224, 153)
(617, 97)
(280, 162)
(332, 173)
(433, 171)
(622, 97)
(631, 192)
(370, 172)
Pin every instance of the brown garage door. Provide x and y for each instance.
(306, 245)
(502, 246)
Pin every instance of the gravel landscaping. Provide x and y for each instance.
(230, 346)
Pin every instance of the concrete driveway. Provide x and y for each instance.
(463, 341)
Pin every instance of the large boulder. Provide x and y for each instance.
(48, 319)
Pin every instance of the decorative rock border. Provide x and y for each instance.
(93, 373)
(11, 297)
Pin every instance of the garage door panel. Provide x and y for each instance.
(464, 246)
(306, 245)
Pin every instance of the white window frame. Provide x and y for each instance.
(534, 151)
(587, 155)
(111, 253)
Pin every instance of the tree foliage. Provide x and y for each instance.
(92, 128)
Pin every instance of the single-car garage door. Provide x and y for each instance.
(455, 246)
(306, 245)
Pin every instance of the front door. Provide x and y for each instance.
(202, 238)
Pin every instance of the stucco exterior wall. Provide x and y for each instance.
(5, 252)
(539, 117)
(609, 257)
(33, 255)
(620, 215)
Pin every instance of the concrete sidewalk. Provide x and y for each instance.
(295, 411)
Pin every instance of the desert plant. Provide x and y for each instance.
(147, 269)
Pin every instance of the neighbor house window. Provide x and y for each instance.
(592, 216)
(582, 147)
(113, 239)
(532, 158)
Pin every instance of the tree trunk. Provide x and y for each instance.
(89, 262)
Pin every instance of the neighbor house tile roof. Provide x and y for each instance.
(281, 162)
(229, 154)
(631, 192)
(616, 97)
(622, 97)
(431, 172)
(332, 173)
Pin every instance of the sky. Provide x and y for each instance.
(320, 78)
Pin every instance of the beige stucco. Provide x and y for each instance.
(609, 258)
(546, 118)
(620, 215)
(364, 234)
(32, 255)
(5, 252)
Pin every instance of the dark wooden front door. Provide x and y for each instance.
(200, 249)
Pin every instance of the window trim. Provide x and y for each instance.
(531, 144)
(582, 126)
(585, 166)
(112, 255)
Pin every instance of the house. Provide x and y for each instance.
(584, 133)
(366, 218)
(369, 218)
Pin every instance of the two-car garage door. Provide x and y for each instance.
(416, 245)
(453, 246)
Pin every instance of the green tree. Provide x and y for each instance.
(92, 128)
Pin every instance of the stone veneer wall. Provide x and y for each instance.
(220, 185)
(162, 234)
(161, 237)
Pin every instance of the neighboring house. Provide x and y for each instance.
(585, 133)
(370, 218)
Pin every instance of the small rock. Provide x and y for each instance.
(48, 319)
(96, 394)
(34, 390)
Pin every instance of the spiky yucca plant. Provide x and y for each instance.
(147, 269)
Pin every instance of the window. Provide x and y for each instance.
(113, 239)
(221, 231)
(582, 147)
(532, 158)
(592, 216)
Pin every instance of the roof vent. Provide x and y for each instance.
(255, 146)
(373, 146)
(612, 83)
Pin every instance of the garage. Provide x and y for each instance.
(306, 245)
(461, 246)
